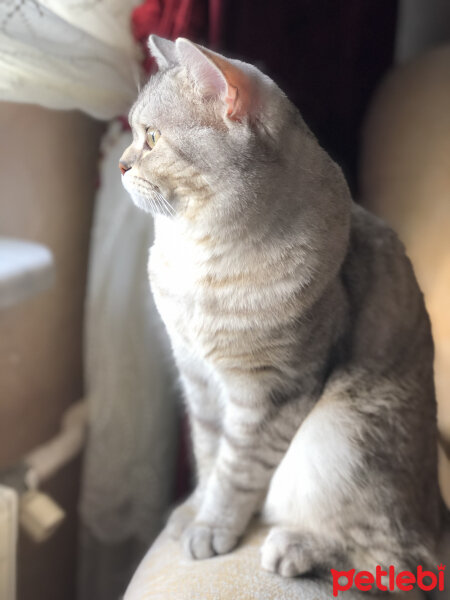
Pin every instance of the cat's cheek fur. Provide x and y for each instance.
(145, 195)
(140, 199)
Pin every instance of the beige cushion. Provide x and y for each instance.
(164, 574)
(405, 168)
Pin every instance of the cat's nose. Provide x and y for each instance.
(124, 167)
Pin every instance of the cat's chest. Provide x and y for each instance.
(191, 308)
(219, 301)
(175, 282)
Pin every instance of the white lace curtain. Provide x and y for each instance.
(69, 54)
(79, 54)
(129, 463)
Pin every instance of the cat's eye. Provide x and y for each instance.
(153, 136)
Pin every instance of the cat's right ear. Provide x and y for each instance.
(163, 51)
(216, 76)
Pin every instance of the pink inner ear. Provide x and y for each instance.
(240, 87)
(231, 99)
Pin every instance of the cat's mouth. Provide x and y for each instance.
(146, 195)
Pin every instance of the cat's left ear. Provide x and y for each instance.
(163, 51)
(217, 76)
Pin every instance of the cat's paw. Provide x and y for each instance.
(182, 516)
(285, 553)
(201, 540)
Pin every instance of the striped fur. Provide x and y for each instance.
(300, 334)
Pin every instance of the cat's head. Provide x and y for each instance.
(203, 126)
(217, 143)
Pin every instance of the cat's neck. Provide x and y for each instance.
(207, 242)
(300, 214)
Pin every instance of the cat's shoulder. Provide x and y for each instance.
(376, 258)
(368, 230)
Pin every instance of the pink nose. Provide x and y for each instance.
(124, 167)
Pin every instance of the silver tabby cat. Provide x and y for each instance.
(300, 334)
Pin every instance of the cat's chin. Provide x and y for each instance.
(143, 203)
(149, 200)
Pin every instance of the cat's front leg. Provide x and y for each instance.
(255, 438)
(222, 517)
(204, 419)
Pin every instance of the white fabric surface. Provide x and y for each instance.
(129, 463)
(69, 54)
(130, 457)
(165, 573)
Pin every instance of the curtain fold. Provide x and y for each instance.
(80, 54)
(75, 54)
(130, 458)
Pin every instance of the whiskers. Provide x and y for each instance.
(147, 196)
(162, 204)
(155, 203)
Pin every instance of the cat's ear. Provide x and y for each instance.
(216, 76)
(163, 51)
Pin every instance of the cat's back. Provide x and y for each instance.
(390, 325)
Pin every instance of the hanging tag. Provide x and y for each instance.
(39, 515)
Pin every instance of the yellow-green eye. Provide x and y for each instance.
(153, 136)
